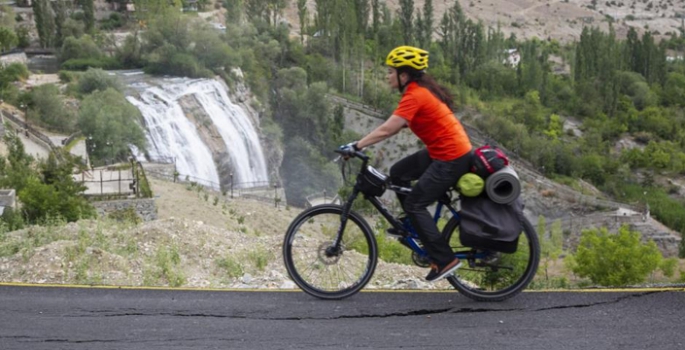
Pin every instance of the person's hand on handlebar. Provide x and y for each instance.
(349, 149)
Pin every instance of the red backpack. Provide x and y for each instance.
(487, 160)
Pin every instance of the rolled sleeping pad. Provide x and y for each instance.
(503, 186)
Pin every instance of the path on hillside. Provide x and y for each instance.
(531, 8)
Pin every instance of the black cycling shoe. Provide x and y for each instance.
(395, 233)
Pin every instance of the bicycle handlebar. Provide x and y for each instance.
(356, 154)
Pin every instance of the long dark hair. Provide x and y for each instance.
(426, 81)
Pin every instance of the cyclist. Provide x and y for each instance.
(426, 108)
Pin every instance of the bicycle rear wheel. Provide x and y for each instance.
(319, 268)
(494, 276)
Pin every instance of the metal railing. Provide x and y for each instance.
(110, 183)
(28, 129)
(265, 191)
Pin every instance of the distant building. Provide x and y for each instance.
(513, 58)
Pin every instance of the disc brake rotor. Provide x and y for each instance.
(325, 256)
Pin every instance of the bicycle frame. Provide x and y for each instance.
(411, 241)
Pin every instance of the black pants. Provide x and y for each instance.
(435, 178)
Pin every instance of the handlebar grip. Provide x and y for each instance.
(357, 154)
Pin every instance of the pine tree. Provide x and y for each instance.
(406, 14)
(427, 24)
(60, 9)
(362, 13)
(376, 16)
(88, 14)
(45, 23)
(302, 16)
(234, 10)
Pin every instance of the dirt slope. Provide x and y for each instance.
(195, 243)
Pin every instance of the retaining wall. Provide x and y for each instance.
(145, 208)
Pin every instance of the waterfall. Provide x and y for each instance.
(170, 134)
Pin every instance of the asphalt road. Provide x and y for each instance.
(91, 318)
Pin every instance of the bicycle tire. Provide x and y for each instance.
(491, 284)
(313, 231)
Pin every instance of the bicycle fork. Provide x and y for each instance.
(335, 249)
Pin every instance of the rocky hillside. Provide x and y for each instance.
(557, 19)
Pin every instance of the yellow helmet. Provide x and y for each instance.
(407, 56)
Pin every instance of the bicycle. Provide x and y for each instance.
(330, 251)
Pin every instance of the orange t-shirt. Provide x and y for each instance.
(433, 122)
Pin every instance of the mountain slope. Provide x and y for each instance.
(557, 19)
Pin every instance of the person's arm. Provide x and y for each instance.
(391, 127)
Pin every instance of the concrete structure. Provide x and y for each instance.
(7, 200)
(145, 208)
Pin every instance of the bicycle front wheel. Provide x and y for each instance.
(494, 276)
(320, 268)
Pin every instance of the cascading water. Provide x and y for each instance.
(170, 134)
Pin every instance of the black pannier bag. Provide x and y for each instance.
(485, 224)
(372, 182)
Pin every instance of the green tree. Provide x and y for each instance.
(23, 39)
(428, 25)
(302, 16)
(72, 28)
(8, 39)
(615, 259)
(406, 17)
(81, 48)
(61, 15)
(45, 22)
(49, 109)
(361, 8)
(88, 14)
(375, 16)
(111, 124)
(16, 167)
(674, 90)
(95, 79)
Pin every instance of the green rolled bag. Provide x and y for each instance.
(471, 185)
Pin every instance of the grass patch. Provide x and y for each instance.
(231, 265)
(164, 268)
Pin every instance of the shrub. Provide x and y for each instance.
(615, 259)
(48, 107)
(97, 79)
(82, 48)
(125, 215)
(67, 76)
(12, 219)
(15, 72)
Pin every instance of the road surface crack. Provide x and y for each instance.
(617, 300)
